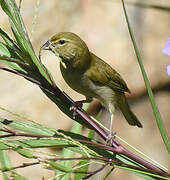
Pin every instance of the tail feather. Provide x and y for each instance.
(128, 114)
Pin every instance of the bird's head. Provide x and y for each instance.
(70, 48)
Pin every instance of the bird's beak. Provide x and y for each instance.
(46, 46)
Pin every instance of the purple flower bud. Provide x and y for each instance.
(168, 69)
(166, 49)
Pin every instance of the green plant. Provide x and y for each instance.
(19, 55)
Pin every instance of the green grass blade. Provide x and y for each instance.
(66, 153)
(9, 57)
(4, 158)
(60, 167)
(150, 93)
(84, 163)
(18, 28)
(27, 127)
(25, 153)
(10, 43)
(21, 36)
(33, 143)
(151, 6)
(145, 175)
(5, 177)
(5, 50)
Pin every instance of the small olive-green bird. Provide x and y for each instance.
(89, 75)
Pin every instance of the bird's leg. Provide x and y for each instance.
(111, 123)
(79, 104)
(111, 133)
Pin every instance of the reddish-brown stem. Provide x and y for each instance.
(117, 147)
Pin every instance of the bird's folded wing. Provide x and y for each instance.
(103, 74)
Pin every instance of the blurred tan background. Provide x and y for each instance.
(101, 24)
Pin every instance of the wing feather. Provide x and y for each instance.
(103, 74)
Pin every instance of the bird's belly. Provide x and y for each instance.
(82, 84)
(104, 94)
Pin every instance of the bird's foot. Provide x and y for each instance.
(110, 137)
(75, 107)
(79, 103)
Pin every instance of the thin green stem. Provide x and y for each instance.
(151, 97)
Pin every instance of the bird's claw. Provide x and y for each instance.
(74, 107)
(79, 104)
(110, 137)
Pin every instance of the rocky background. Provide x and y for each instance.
(102, 25)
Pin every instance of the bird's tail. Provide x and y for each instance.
(128, 114)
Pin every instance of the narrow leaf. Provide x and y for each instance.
(9, 42)
(59, 167)
(150, 93)
(21, 35)
(66, 153)
(25, 153)
(9, 57)
(5, 160)
(28, 127)
(4, 156)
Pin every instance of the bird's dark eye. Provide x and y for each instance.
(62, 42)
